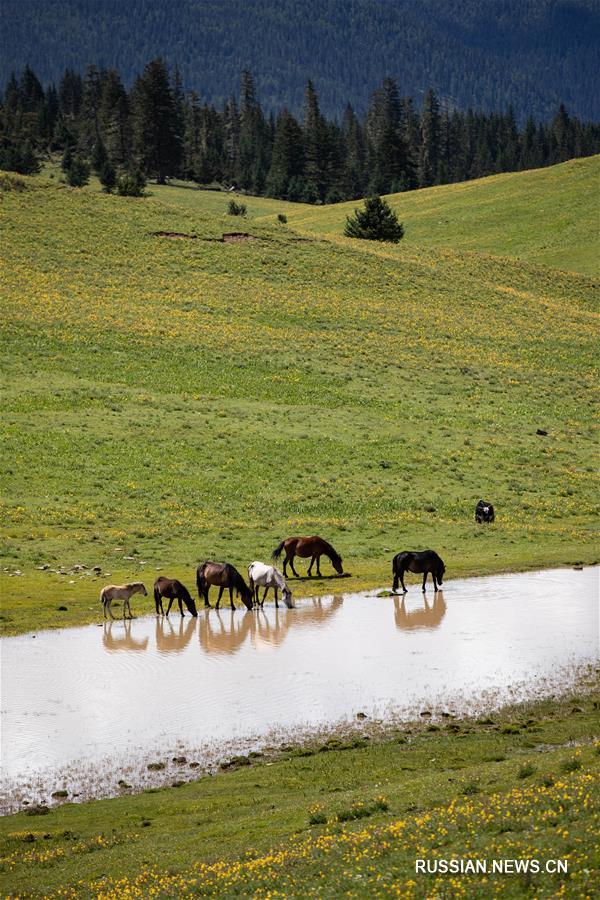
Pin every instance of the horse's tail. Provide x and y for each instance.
(102, 598)
(277, 551)
(156, 596)
(200, 581)
(236, 581)
(395, 574)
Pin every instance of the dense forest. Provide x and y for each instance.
(484, 54)
(156, 130)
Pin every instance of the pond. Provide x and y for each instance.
(85, 708)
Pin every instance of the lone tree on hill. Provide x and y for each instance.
(376, 222)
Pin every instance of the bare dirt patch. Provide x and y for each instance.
(175, 235)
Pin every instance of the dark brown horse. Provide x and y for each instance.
(423, 561)
(172, 589)
(222, 575)
(315, 547)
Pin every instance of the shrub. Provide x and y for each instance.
(236, 209)
(376, 222)
(526, 770)
(78, 172)
(131, 184)
(108, 176)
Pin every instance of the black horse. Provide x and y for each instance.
(424, 561)
(484, 513)
(172, 589)
(222, 575)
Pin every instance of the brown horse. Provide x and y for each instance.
(222, 575)
(172, 589)
(422, 562)
(315, 547)
(122, 592)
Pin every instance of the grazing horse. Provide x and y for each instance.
(424, 561)
(315, 547)
(265, 576)
(122, 592)
(484, 513)
(172, 589)
(222, 575)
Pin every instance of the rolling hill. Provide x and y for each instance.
(170, 400)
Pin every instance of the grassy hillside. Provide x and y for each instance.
(544, 216)
(519, 785)
(172, 400)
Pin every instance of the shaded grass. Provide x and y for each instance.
(249, 827)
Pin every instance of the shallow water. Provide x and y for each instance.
(83, 707)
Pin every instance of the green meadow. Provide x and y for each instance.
(169, 400)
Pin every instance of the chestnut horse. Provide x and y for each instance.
(315, 547)
(172, 589)
(424, 561)
(222, 575)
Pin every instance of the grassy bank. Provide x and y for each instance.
(172, 400)
(330, 819)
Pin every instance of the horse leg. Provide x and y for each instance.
(221, 589)
(169, 606)
(292, 564)
(312, 560)
(231, 603)
(104, 608)
(109, 609)
(180, 606)
(319, 566)
(206, 600)
(276, 603)
(435, 586)
(404, 588)
(265, 592)
(424, 580)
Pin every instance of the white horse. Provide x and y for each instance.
(122, 592)
(268, 577)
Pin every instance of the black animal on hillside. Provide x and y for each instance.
(424, 561)
(484, 513)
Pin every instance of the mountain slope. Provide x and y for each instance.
(482, 53)
(546, 216)
(187, 399)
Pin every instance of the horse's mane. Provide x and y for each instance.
(333, 554)
(237, 581)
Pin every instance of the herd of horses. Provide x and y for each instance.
(225, 576)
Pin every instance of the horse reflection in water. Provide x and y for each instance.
(171, 639)
(426, 616)
(231, 632)
(123, 639)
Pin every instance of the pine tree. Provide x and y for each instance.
(376, 222)
(429, 149)
(315, 147)
(108, 176)
(285, 178)
(115, 126)
(155, 123)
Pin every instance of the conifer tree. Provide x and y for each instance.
(376, 222)
(155, 123)
(430, 141)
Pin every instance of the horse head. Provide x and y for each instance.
(440, 572)
(191, 605)
(336, 562)
(287, 597)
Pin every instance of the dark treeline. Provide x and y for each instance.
(157, 130)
